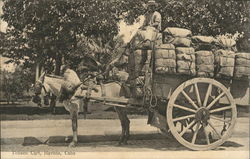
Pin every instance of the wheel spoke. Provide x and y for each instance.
(197, 94)
(184, 108)
(189, 99)
(209, 89)
(211, 125)
(215, 100)
(196, 132)
(220, 109)
(206, 134)
(219, 119)
(183, 117)
(186, 128)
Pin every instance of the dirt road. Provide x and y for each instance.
(47, 137)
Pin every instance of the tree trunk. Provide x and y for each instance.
(57, 72)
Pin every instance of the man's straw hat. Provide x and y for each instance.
(152, 3)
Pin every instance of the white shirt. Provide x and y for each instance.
(71, 76)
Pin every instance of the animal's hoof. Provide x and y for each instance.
(72, 144)
(67, 139)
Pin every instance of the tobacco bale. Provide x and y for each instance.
(205, 68)
(164, 70)
(190, 72)
(243, 55)
(242, 72)
(205, 74)
(177, 41)
(186, 57)
(165, 54)
(204, 58)
(184, 50)
(242, 62)
(177, 32)
(165, 46)
(165, 63)
(203, 39)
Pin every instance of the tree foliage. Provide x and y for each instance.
(45, 31)
(204, 17)
(15, 84)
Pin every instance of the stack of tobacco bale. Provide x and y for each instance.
(204, 56)
(181, 39)
(165, 59)
(224, 58)
(204, 63)
(224, 63)
(242, 66)
(186, 60)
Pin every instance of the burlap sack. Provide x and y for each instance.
(243, 55)
(224, 61)
(204, 53)
(177, 32)
(206, 60)
(205, 74)
(224, 58)
(177, 41)
(224, 72)
(204, 46)
(225, 53)
(185, 65)
(165, 54)
(165, 70)
(203, 39)
(186, 57)
(184, 50)
(242, 62)
(165, 46)
(190, 72)
(205, 68)
(165, 63)
(242, 72)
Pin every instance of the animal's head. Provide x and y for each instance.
(38, 89)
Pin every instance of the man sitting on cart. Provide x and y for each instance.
(144, 37)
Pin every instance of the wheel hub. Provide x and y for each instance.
(202, 115)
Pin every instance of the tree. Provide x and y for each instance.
(45, 31)
(204, 17)
(13, 85)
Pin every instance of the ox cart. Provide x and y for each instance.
(199, 112)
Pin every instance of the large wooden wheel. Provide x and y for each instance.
(195, 116)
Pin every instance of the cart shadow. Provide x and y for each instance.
(149, 141)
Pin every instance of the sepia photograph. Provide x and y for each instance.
(125, 79)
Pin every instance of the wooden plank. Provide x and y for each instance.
(110, 99)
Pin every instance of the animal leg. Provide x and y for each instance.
(122, 114)
(127, 127)
(74, 128)
(118, 110)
